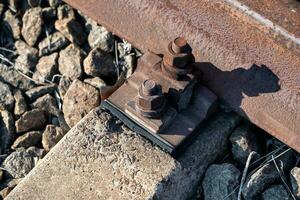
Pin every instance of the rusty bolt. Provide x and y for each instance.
(178, 58)
(180, 45)
(149, 87)
(150, 101)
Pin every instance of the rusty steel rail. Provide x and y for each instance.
(252, 66)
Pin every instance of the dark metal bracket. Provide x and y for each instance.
(163, 100)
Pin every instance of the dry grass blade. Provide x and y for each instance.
(37, 82)
(231, 193)
(281, 174)
(48, 37)
(270, 160)
(127, 47)
(2, 57)
(56, 94)
(12, 66)
(55, 76)
(58, 99)
(12, 9)
(258, 160)
(245, 174)
(117, 59)
(8, 50)
(268, 154)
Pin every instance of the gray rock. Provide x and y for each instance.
(51, 136)
(78, 101)
(62, 122)
(27, 140)
(259, 181)
(54, 121)
(20, 103)
(49, 105)
(243, 142)
(63, 86)
(32, 25)
(26, 64)
(54, 3)
(46, 68)
(12, 77)
(46, 103)
(295, 181)
(70, 62)
(88, 22)
(10, 186)
(23, 48)
(34, 3)
(72, 30)
(49, 13)
(7, 130)
(65, 12)
(1, 8)
(219, 181)
(19, 163)
(6, 97)
(39, 91)
(13, 24)
(54, 42)
(99, 63)
(36, 152)
(100, 37)
(1, 175)
(276, 192)
(95, 82)
(31, 120)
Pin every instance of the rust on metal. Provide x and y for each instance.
(178, 59)
(150, 101)
(279, 14)
(249, 57)
(158, 102)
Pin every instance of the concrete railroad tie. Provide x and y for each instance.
(102, 159)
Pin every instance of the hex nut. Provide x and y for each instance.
(175, 71)
(150, 102)
(179, 60)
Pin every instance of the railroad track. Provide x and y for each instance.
(246, 56)
(224, 35)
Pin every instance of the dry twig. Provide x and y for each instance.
(245, 174)
(281, 174)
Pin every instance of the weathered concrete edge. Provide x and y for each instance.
(179, 177)
(29, 188)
